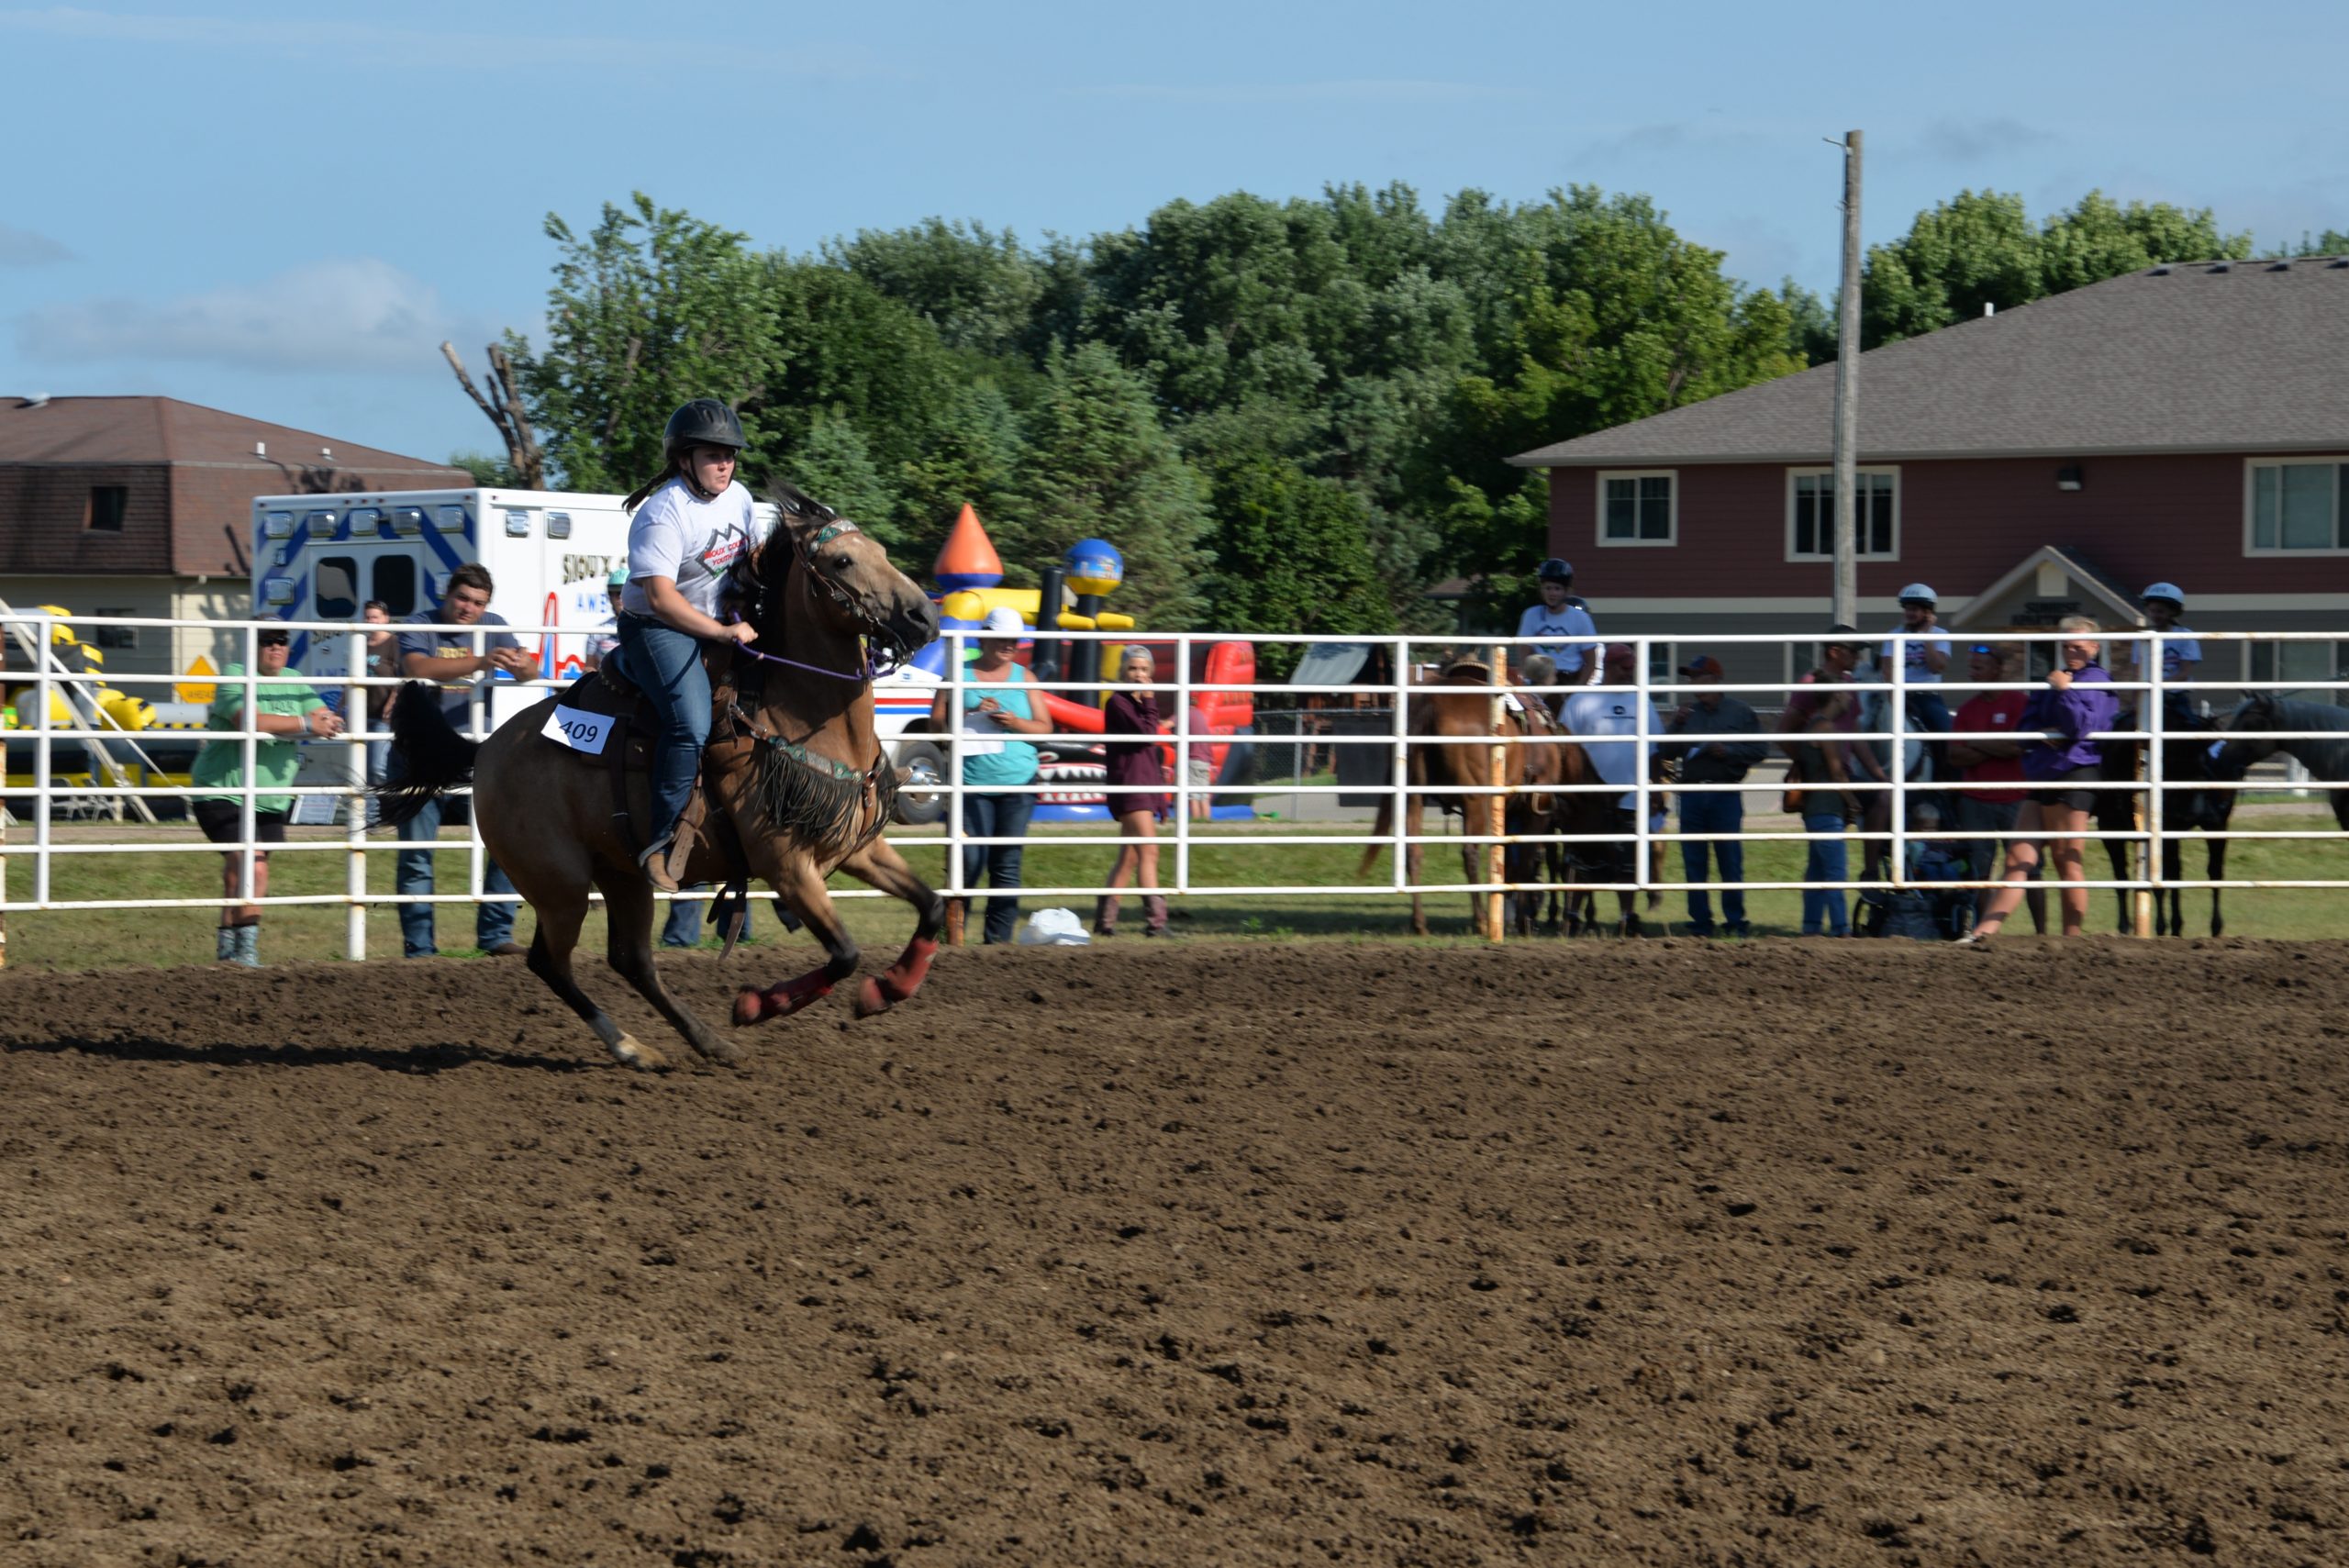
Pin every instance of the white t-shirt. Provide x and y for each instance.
(677, 534)
(1919, 673)
(1605, 710)
(1571, 620)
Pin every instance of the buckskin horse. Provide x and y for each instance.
(793, 772)
(1454, 714)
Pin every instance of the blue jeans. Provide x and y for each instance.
(1822, 907)
(492, 923)
(379, 763)
(667, 664)
(1713, 813)
(995, 816)
(687, 921)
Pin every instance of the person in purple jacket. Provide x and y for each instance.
(2077, 706)
(1137, 794)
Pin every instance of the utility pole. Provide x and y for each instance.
(1847, 395)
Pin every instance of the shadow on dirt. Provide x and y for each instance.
(415, 1059)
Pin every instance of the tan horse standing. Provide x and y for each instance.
(794, 765)
(1455, 711)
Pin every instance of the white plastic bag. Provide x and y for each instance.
(1058, 927)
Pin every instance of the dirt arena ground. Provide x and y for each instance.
(1778, 1254)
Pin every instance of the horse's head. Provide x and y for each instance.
(2246, 741)
(848, 584)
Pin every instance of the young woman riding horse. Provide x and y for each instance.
(797, 772)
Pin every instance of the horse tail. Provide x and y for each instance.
(1379, 829)
(431, 756)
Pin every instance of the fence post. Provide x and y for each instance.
(955, 895)
(44, 758)
(1398, 778)
(2153, 818)
(355, 827)
(1497, 808)
(1183, 649)
(1642, 790)
(1899, 727)
(249, 745)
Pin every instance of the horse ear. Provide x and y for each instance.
(801, 513)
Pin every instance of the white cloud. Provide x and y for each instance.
(353, 313)
(23, 248)
(1967, 141)
(1364, 91)
(326, 37)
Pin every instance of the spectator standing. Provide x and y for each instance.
(1134, 765)
(1712, 751)
(282, 713)
(604, 645)
(1558, 617)
(1990, 771)
(989, 755)
(1199, 763)
(1811, 729)
(2061, 756)
(383, 664)
(1612, 709)
(438, 645)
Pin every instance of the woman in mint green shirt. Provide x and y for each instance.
(993, 710)
(283, 713)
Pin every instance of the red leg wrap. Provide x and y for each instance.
(899, 981)
(781, 1001)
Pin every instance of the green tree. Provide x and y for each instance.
(496, 472)
(1100, 465)
(981, 291)
(2332, 242)
(847, 349)
(2100, 239)
(975, 458)
(834, 463)
(1291, 554)
(652, 308)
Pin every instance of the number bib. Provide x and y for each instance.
(583, 732)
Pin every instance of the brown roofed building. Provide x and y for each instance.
(143, 506)
(2187, 423)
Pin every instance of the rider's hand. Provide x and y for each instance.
(742, 632)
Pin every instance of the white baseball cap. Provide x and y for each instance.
(1003, 620)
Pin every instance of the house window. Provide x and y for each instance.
(2297, 506)
(2275, 666)
(107, 504)
(1810, 514)
(124, 637)
(1638, 508)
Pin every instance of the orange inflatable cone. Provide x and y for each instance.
(967, 559)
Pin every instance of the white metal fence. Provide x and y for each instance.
(44, 797)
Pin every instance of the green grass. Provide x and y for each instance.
(1221, 856)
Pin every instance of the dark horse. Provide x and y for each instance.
(795, 769)
(2184, 808)
(2325, 756)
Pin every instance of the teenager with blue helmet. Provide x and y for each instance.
(1561, 615)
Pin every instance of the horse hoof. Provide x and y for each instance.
(630, 1051)
(749, 1006)
(712, 1049)
(871, 999)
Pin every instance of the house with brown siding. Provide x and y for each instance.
(2187, 423)
(142, 506)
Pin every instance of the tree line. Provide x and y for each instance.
(1289, 415)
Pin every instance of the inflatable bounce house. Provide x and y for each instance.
(969, 574)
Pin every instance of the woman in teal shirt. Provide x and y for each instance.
(994, 763)
(283, 713)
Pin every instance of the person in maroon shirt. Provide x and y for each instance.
(1137, 805)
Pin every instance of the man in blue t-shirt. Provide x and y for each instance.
(439, 646)
(1561, 615)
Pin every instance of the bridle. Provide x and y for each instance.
(854, 605)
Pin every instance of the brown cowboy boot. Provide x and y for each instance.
(1105, 916)
(1155, 915)
(664, 862)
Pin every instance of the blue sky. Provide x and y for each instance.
(281, 209)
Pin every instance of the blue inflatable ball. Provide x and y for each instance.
(1095, 566)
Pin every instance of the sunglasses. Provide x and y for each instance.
(278, 639)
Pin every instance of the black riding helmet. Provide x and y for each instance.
(704, 422)
(1554, 571)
